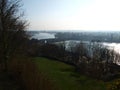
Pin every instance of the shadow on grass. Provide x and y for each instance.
(67, 70)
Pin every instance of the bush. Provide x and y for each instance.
(114, 86)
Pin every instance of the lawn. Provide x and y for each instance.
(64, 76)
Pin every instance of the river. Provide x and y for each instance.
(110, 46)
(40, 36)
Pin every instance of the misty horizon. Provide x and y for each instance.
(76, 30)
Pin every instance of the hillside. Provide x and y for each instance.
(64, 76)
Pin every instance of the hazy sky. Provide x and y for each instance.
(73, 14)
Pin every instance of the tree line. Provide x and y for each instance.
(89, 36)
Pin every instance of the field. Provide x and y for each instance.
(64, 76)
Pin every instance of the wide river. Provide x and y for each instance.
(111, 46)
(39, 36)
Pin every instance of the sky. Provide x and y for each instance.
(73, 14)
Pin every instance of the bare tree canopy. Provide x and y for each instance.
(12, 28)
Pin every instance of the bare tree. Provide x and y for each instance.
(12, 29)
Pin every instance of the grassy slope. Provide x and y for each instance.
(65, 78)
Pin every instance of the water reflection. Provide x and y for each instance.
(40, 36)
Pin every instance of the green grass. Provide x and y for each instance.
(65, 78)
